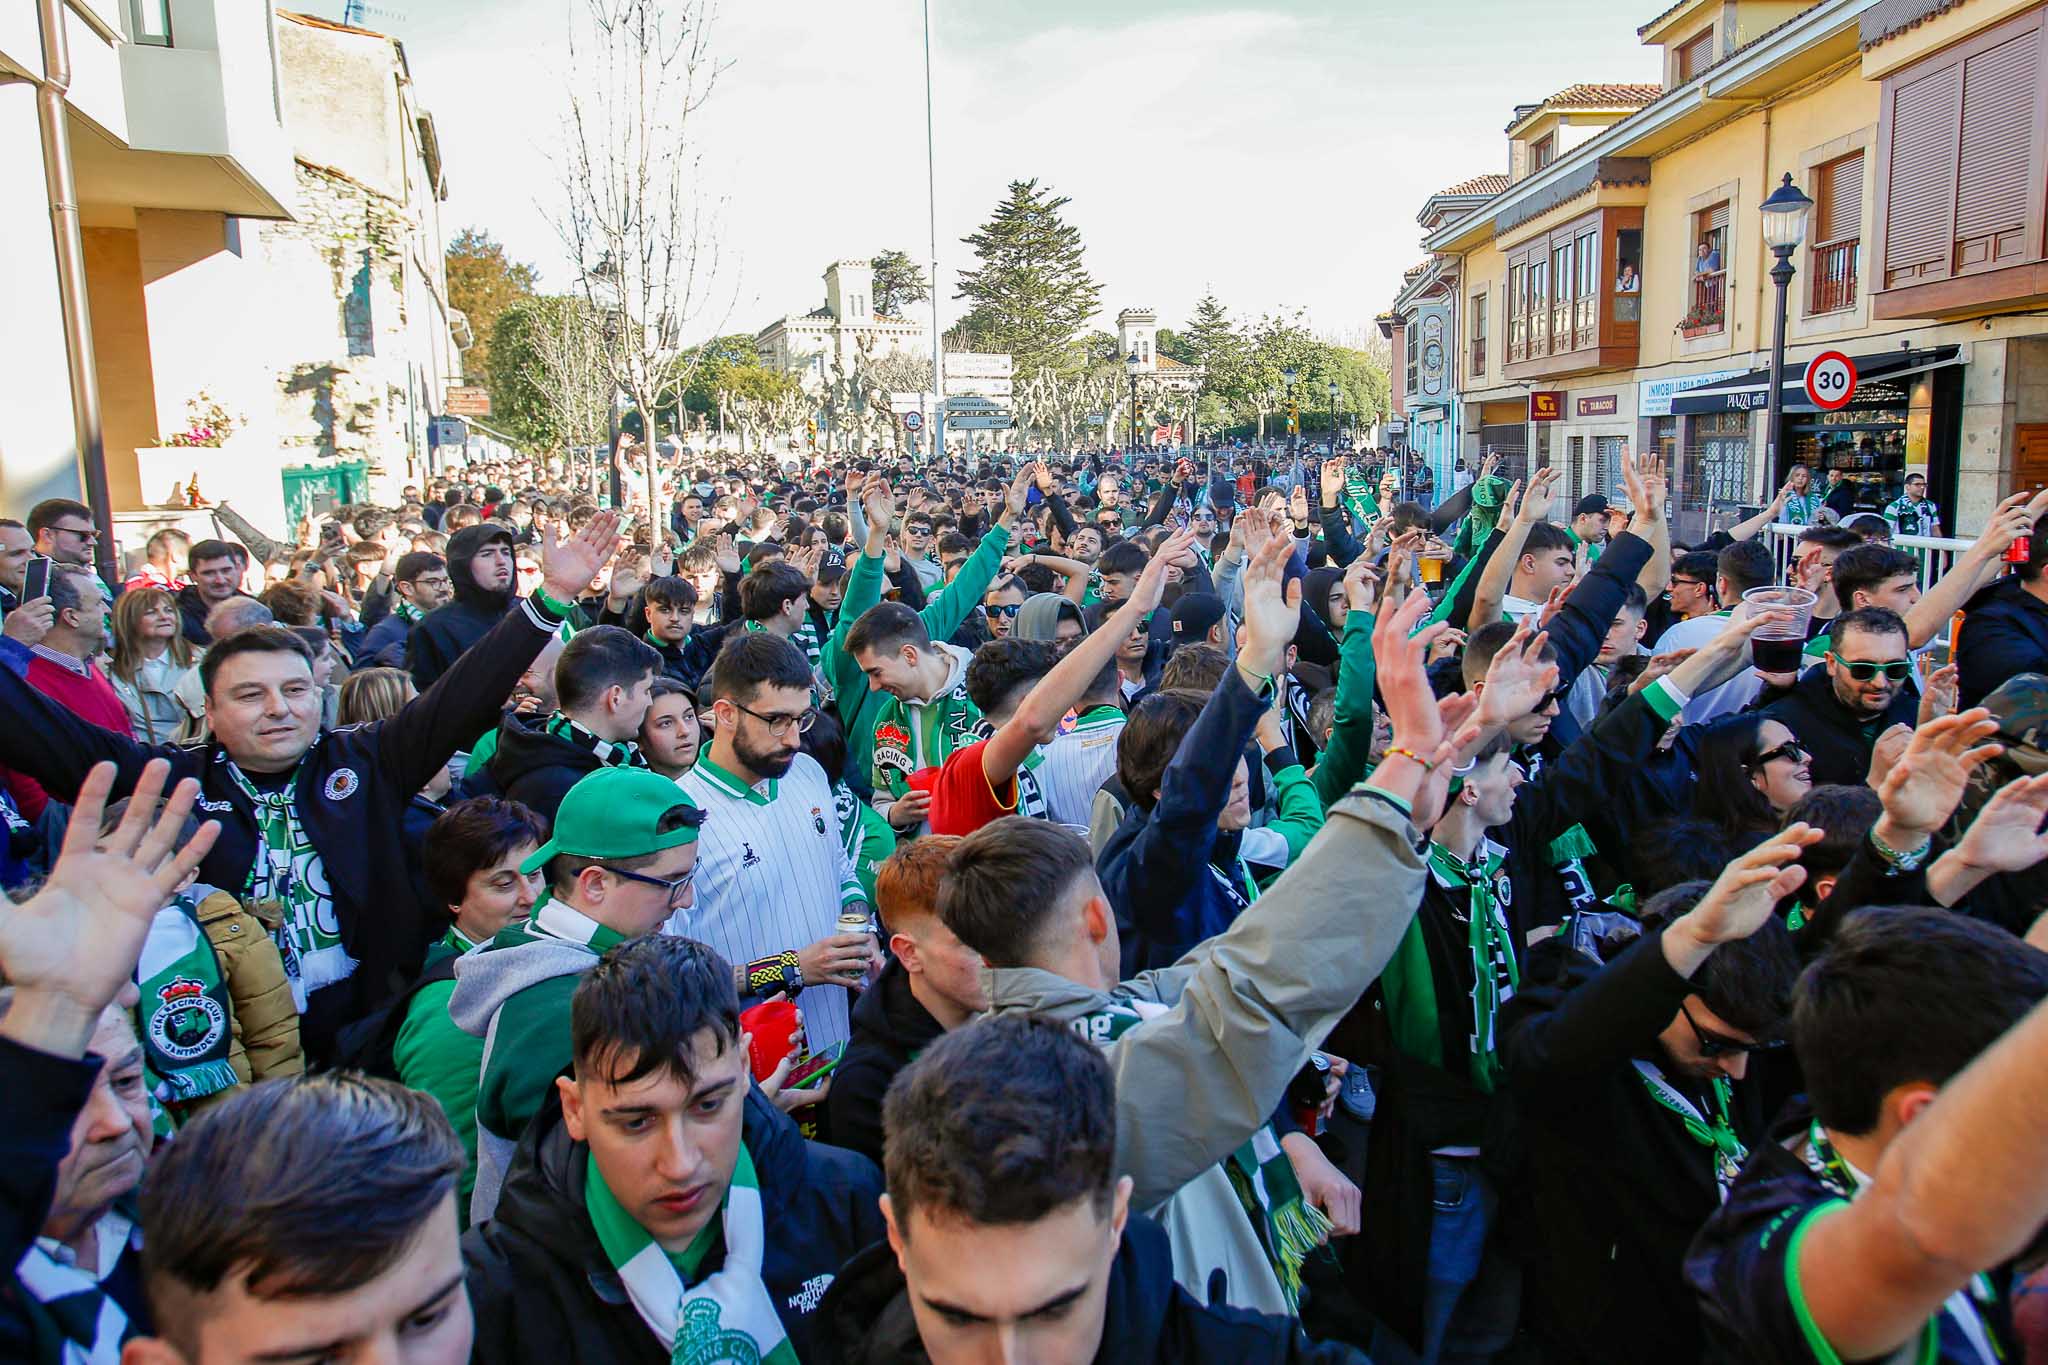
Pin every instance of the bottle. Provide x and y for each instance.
(192, 498)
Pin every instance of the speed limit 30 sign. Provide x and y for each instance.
(1830, 380)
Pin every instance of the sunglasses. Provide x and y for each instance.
(1791, 749)
(1714, 1045)
(1863, 670)
(1144, 626)
(1011, 610)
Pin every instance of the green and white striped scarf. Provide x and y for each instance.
(1289, 1226)
(184, 1012)
(406, 611)
(289, 872)
(729, 1315)
(74, 1320)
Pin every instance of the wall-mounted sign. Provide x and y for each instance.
(468, 400)
(1605, 405)
(1546, 405)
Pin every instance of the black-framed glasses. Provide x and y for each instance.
(1715, 1045)
(1863, 670)
(1004, 609)
(674, 886)
(1791, 749)
(778, 726)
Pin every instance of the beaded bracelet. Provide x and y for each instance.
(1412, 757)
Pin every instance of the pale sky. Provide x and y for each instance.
(1275, 151)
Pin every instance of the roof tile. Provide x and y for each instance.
(1488, 185)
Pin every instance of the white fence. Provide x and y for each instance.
(1937, 555)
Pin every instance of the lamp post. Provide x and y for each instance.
(1132, 366)
(1333, 418)
(1784, 229)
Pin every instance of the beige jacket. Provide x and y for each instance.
(264, 1019)
(1245, 1009)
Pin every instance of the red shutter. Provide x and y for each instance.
(1840, 199)
(1992, 182)
(1920, 206)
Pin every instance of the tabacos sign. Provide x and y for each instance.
(1546, 405)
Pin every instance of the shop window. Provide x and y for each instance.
(1838, 234)
(1575, 465)
(1479, 333)
(1609, 451)
(1715, 475)
(1412, 332)
(1707, 310)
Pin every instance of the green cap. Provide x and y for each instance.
(612, 813)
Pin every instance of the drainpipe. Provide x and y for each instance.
(62, 190)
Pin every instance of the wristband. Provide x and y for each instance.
(1904, 862)
(776, 972)
(1417, 759)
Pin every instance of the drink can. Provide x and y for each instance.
(859, 922)
(2021, 551)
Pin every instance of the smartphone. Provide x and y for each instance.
(814, 1067)
(35, 581)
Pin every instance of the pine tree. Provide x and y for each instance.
(1030, 291)
(899, 282)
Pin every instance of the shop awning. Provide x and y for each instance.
(1749, 392)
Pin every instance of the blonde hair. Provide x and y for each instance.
(374, 694)
(129, 609)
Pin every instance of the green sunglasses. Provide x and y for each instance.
(1862, 670)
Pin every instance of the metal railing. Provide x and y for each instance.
(1834, 276)
(1936, 554)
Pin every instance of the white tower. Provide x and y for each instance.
(1137, 329)
(850, 290)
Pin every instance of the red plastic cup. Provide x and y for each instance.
(769, 1026)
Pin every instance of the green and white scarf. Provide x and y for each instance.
(406, 611)
(729, 1316)
(611, 753)
(184, 1012)
(1410, 995)
(288, 872)
(1715, 1132)
(553, 919)
(1361, 495)
(1289, 1226)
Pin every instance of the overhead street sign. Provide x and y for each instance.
(972, 402)
(1830, 380)
(979, 421)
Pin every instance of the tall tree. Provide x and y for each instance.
(548, 383)
(1214, 342)
(899, 282)
(483, 282)
(1029, 287)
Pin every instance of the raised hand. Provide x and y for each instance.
(1297, 504)
(1172, 552)
(568, 565)
(1016, 500)
(1541, 493)
(1041, 474)
(1937, 694)
(1361, 584)
(877, 503)
(68, 949)
(1333, 482)
(2006, 835)
(1272, 607)
(728, 554)
(1401, 651)
(1924, 786)
(1745, 895)
(1517, 680)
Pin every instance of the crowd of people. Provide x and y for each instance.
(1065, 909)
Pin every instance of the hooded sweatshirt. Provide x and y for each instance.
(1147, 1318)
(890, 1027)
(911, 736)
(452, 628)
(535, 767)
(514, 994)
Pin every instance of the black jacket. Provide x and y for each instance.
(890, 1028)
(1839, 739)
(544, 1292)
(1616, 1186)
(354, 786)
(438, 641)
(2005, 632)
(536, 768)
(192, 614)
(1147, 1320)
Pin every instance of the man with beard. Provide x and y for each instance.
(1840, 706)
(419, 585)
(480, 572)
(774, 878)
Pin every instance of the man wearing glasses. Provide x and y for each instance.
(915, 543)
(622, 859)
(776, 876)
(1636, 1109)
(1839, 709)
(63, 531)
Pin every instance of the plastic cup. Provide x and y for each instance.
(1776, 646)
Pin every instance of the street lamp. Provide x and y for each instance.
(1333, 419)
(1133, 366)
(1784, 229)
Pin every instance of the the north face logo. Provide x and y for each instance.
(807, 1299)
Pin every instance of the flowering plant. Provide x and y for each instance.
(207, 423)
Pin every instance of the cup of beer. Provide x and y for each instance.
(1777, 645)
(1431, 569)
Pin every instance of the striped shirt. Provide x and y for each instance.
(1077, 762)
(772, 874)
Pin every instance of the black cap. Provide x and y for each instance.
(831, 566)
(1590, 505)
(1194, 615)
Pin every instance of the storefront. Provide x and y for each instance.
(1709, 458)
(1905, 414)
(1504, 431)
(1432, 435)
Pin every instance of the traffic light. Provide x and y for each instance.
(811, 432)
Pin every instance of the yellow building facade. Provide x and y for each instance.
(1621, 280)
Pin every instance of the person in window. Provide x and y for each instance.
(1630, 282)
(1707, 260)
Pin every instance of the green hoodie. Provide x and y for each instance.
(912, 735)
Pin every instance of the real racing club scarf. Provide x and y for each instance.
(184, 1011)
(727, 1316)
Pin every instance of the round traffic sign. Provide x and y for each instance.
(1830, 380)
(912, 421)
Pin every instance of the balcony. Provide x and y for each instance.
(1708, 311)
(1833, 272)
(1576, 314)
